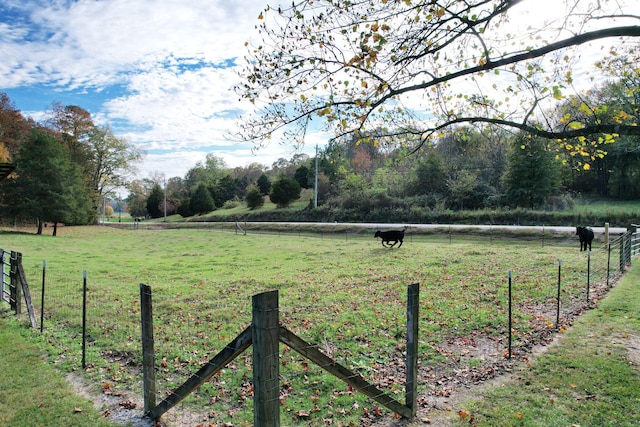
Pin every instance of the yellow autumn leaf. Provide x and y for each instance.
(576, 125)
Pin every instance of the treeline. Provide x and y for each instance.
(468, 168)
(63, 166)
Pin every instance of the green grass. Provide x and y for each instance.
(606, 208)
(32, 392)
(590, 379)
(347, 295)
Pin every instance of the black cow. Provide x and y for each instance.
(586, 237)
(387, 237)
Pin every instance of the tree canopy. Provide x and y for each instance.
(47, 185)
(413, 68)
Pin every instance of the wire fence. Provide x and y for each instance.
(85, 332)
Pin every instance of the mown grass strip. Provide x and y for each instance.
(590, 378)
(32, 392)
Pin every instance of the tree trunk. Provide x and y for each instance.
(55, 229)
(39, 232)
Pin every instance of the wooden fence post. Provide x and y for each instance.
(413, 308)
(266, 360)
(148, 354)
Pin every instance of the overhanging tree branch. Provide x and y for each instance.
(627, 31)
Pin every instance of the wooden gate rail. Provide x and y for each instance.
(336, 369)
(209, 369)
(264, 334)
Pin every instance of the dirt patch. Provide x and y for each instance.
(119, 408)
(633, 350)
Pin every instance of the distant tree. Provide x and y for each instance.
(333, 161)
(155, 207)
(184, 207)
(254, 197)
(284, 191)
(461, 187)
(361, 160)
(46, 186)
(109, 161)
(137, 198)
(225, 189)
(264, 184)
(302, 176)
(201, 201)
(208, 172)
(532, 172)
(429, 175)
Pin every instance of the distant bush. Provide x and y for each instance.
(254, 197)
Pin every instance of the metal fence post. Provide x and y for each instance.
(413, 315)
(559, 288)
(148, 352)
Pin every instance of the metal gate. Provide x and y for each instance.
(635, 241)
(5, 271)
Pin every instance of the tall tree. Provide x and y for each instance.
(385, 68)
(532, 173)
(264, 184)
(110, 161)
(137, 198)
(155, 202)
(75, 125)
(14, 128)
(201, 202)
(47, 186)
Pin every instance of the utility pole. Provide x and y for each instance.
(315, 186)
(164, 181)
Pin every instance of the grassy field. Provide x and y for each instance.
(347, 296)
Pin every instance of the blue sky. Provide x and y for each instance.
(159, 72)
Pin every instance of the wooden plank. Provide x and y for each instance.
(266, 360)
(27, 294)
(148, 351)
(334, 368)
(413, 312)
(223, 358)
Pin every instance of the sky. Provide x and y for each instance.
(160, 73)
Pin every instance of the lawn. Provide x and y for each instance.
(346, 295)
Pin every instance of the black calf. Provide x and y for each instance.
(387, 237)
(586, 237)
